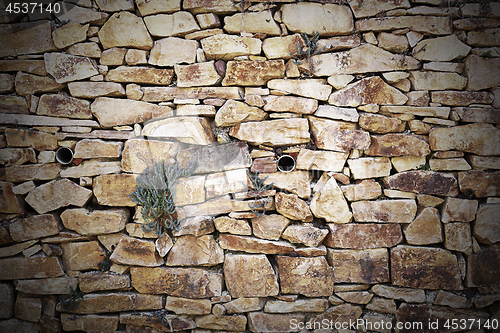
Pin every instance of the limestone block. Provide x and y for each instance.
(65, 67)
(269, 226)
(338, 135)
(199, 74)
(253, 73)
(282, 47)
(457, 237)
(252, 22)
(96, 89)
(428, 25)
(87, 222)
(396, 211)
(365, 190)
(227, 47)
(139, 154)
(448, 164)
(90, 50)
(142, 321)
(33, 227)
(371, 8)
(482, 267)
(254, 245)
(82, 255)
(235, 112)
(114, 189)
(181, 305)
(29, 84)
(27, 38)
(290, 104)
(338, 113)
(445, 48)
(423, 182)
(265, 322)
(69, 34)
(61, 105)
(426, 80)
(216, 7)
(307, 235)
(178, 24)
(173, 50)
(401, 294)
(329, 203)
(486, 228)
(313, 88)
(392, 42)
(233, 226)
(425, 229)
(124, 29)
(88, 148)
(224, 323)
(397, 145)
(481, 72)
(190, 250)
(158, 6)
(296, 276)
(360, 266)
(459, 210)
(364, 236)
(272, 132)
(137, 252)
(321, 160)
(8, 202)
(377, 123)
(291, 206)
(370, 167)
(89, 323)
(140, 74)
(480, 183)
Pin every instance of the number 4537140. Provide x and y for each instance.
(32, 7)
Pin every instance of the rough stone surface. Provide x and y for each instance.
(114, 190)
(233, 226)
(425, 229)
(273, 132)
(370, 167)
(429, 25)
(313, 88)
(61, 105)
(397, 145)
(27, 38)
(124, 29)
(22, 173)
(87, 222)
(445, 48)
(173, 50)
(65, 67)
(457, 237)
(396, 211)
(379, 124)
(401, 294)
(480, 183)
(253, 73)
(359, 266)
(139, 154)
(458, 210)
(227, 47)
(190, 250)
(199, 74)
(423, 182)
(481, 72)
(291, 206)
(482, 267)
(28, 84)
(33, 227)
(133, 251)
(257, 22)
(235, 112)
(8, 202)
(329, 203)
(269, 226)
(265, 322)
(321, 160)
(88, 148)
(254, 245)
(307, 235)
(338, 135)
(365, 190)
(426, 80)
(164, 25)
(360, 236)
(81, 255)
(193, 130)
(140, 74)
(486, 228)
(188, 306)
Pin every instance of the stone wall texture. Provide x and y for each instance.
(390, 217)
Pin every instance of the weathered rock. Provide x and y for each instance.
(29, 84)
(329, 203)
(97, 281)
(179, 282)
(69, 34)
(282, 47)
(160, 94)
(272, 132)
(457, 237)
(89, 323)
(178, 24)
(328, 19)
(365, 190)
(139, 322)
(425, 229)
(291, 206)
(115, 112)
(172, 50)
(481, 72)
(82, 255)
(445, 48)
(297, 182)
(15, 268)
(199, 74)
(448, 164)
(227, 47)
(475, 138)
(240, 269)
(337, 113)
(82, 15)
(370, 167)
(114, 190)
(26, 38)
(338, 135)
(188, 306)
(28, 308)
(190, 250)
(372, 90)
(483, 268)
(137, 252)
(88, 148)
(355, 61)
(193, 130)
(363, 236)
(371, 8)
(482, 184)
(463, 98)
(395, 211)
(61, 105)
(401, 294)
(139, 154)
(35, 139)
(427, 80)
(124, 29)
(140, 74)
(233, 226)
(254, 245)
(484, 162)
(96, 89)
(90, 49)
(157, 6)
(8, 202)
(253, 73)
(356, 297)
(235, 112)
(379, 304)
(91, 168)
(217, 158)
(428, 25)
(57, 194)
(485, 37)
(336, 315)
(118, 302)
(36, 67)
(13, 105)
(87, 222)
(425, 268)
(423, 182)
(486, 228)
(269, 226)
(12, 250)
(321, 160)
(245, 304)
(50, 286)
(33, 227)
(17, 156)
(359, 266)
(224, 323)
(22, 173)
(296, 276)
(265, 322)
(195, 110)
(256, 22)
(313, 88)
(458, 210)
(380, 124)
(216, 7)
(65, 67)
(397, 145)
(307, 235)
(300, 305)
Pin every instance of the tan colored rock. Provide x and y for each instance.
(90, 50)
(479, 115)
(28, 308)
(363, 236)
(87, 222)
(458, 210)
(395, 211)
(158, 6)
(379, 304)
(269, 226)
(114, 190)
(29, 84)
(33, 227)
(97, 281)
(457, 237)
(282, 47)
(311, 17)
(232, 181)
(486, 228)
(359, 266)
(115, 112)
(7, 82)
(252, 22)
(185, 129)
(452, 300)
(91, 168)
(425, 200)
(290, 104)
(35, 139)
(139, 321)
(69, 34)
(307, 235)
(226, 47)
(371, 8)
(295, 276)
(405, 163)
(321, 160)
(253, 73)
(224, 323)
(195, 110)
(397, 145)
(423, 182)
(199, 74)
(365, 190)
(217, 7)
(439, 269)
(96, 89)
(80, 14)
(425, 229)
(338, 113)
(50, 286)
(300, 305)
(178, 24)
(13, 105)
(195, 251)
(88, 148)
(245, 304)
(139, 154)
(136, 57)
(173, 50)
(448, 164)
(355, 61)
(161, 94)
(36, 67)
(61, 105)
(140, 74)
(342, 313)
(292, 207)
(272, 132)
(89, 323)
(254, 245)
(56, 194)
(233, 226)
(118, 302)
(82, 255)
(468, 138)
(401, 294)
(338, 135)
(65, 67)
(225, 205)
(481, 72)
(429, 25)
(133, 251)
(369, 167)
(27, 38)
(124, 29)
(392, 42)
(297, 182)
(356, 297)
(482, 267)
(445, 48)
(313, 88)
(235, 112)
(379, 124)
(15, 268)
(240, 269)
(484, 162)
(426, 80)
(188, 306)
(480, 183)
(8, 202)
(329, 203)
(440, 112)
(265, 322)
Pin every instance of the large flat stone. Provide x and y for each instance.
(22, 173)
(49, 286)
(281, 47)
(199, 74)
(364, 236)
(395, 211)
(278, 132)
(227, 47)
(445, 48)
(479, 115)
(19, 268)
(164, 25)
(124, 29)
(114, 189)
(313, 88)
(338, 135)
(394, 144)
(308, 235)
(266, 322)
(480, 183)
(321, 160)
(190, 250)
(88, 148)
(65, 67)
(236, 112)
(423, 182)
(33, 227)
(29, 84)
(157, 6)
(139, 154)
(137, 252)
(427, 80)
(254, 245)
(298, 182)
(61, 105)
(425, 229)
(252, 22)
(428, 25)
(181, 305)
(377, 123)
(483, 267)
(118, 302)
(225, 323)
(81, 255)
(372, 7)
(458, 210)
(192, 130)
(98, 281)
(32, 66)
(140, 322)
(87, 222)
(486, 229)
(336, 316)
(329, 203)
(360, 266)
(17, 156)
(161, 94)
(253, 73)
(140, 74)
(173, 50)
(482, 72)
(96, 89)
(365, 190)
(26, 38)
(290, 104)
(89, 323)
(369, 167)
(80, 14)
(425, 268)
(291, 206)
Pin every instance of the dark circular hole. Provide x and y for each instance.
(286, 163)
(64, 155)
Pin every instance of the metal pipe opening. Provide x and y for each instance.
(64, 155)
(286, 163)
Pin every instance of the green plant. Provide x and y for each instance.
(306, 53)
(258, 189)
(155, 192)
(425, 166)
(72, 301)
(163, 317)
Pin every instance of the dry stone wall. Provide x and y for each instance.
(390, 215)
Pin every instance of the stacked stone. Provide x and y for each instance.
(390, 215)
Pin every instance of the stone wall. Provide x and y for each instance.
(391, 214)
